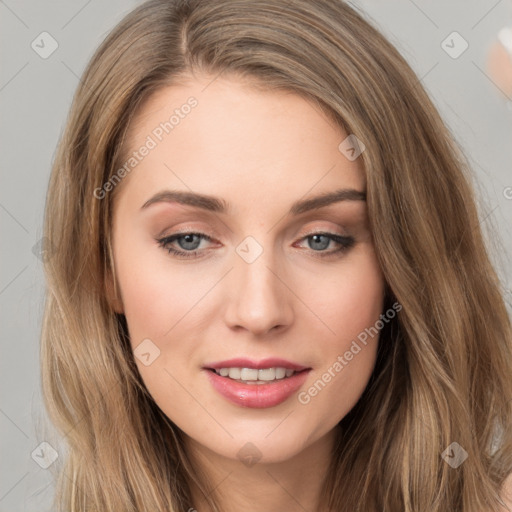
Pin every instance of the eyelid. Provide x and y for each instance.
(326, 231)
(184, 231)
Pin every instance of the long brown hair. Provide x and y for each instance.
(444, 366)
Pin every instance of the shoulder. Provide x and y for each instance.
(506, 494)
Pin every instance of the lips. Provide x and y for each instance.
(260, 395)
(241, 362)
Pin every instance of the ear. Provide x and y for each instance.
(112, 295)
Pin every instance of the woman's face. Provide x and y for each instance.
(269, 277)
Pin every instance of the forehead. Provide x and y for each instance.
(239, 141)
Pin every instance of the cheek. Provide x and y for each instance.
(149, 302)
(165, 305)
(347, 356)
(155, 295)
(158, 304)
(348, 299)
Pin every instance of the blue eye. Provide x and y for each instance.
(320, 241)
(189, 243)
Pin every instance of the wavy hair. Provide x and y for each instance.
(444, 364)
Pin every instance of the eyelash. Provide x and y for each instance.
(346, 242)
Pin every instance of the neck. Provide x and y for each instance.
(294, 485)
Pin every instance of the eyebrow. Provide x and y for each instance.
(218, 205)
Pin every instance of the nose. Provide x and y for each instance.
(260, 299)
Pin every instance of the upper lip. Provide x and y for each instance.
(242, 362)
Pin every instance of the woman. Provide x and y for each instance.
(271, 289)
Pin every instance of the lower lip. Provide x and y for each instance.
(257, 396)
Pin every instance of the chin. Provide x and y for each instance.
(256, 445)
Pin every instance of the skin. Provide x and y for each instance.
(259, 151)
(499, 65)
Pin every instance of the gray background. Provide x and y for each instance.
(35, 95)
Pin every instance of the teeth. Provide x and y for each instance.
(252, 375)
(267, 374)
(246, 374)
(234, 373)
(280, 373)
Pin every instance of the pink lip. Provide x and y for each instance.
(257, 396)
(241, 362)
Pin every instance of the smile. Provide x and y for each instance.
(257, 393)
(255, 376)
